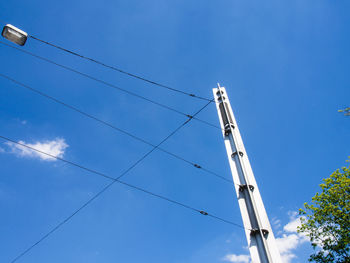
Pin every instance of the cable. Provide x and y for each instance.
(114, 180)
(109, 84)
(118, 69)
(112, 126)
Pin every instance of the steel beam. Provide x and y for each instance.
(261, 241)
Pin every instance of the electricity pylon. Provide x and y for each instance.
(261, 241)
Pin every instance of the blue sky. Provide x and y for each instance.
(284, 65)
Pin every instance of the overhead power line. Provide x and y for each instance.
(113, 180)
(118, 69)
(194, 164)
(112, 85)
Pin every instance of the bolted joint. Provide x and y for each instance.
(256, 231)
(235, 153)
(229, 128)
(221, 98)
(243, 187)
(219, 92)
(265, 232)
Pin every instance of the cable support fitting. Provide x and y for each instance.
(203, 213)
(221, 98)
(219, 93)
(189, 116)
(243, 187)
(255, 231)
(228, 128)
(197, 166)
(235, 153)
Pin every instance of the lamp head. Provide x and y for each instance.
(14, 34)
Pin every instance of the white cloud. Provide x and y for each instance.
(287, 243)
(286, 258)
(237, 258)
(291, 239)
(291, 227)
(55, 148)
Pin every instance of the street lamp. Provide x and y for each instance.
(14, 34)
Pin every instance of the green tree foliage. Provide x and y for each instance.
(346, 111)
(326, 221)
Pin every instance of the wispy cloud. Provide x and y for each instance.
(55, 147)
(237, 258)
(288, 241)
(276, 223)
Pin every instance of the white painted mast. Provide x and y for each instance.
(261, 241)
